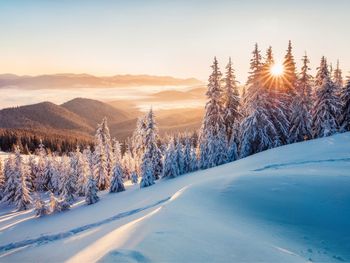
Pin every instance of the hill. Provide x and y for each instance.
(93, 111)
(288, 204)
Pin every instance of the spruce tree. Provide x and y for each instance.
(290, 76)
(117, 184)
(171, 167)
(22, 197)
(231, 101)
(258, 131)
(41, 180)
(91, 190)
(327, 104)
(147, 178)
(68, 192)
(103, 156)
(300, 126)
(345, 112)
(338, 78)
(10, 180)
(213, 139)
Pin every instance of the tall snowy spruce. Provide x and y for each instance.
(231, 101)
(213, 139)
(69, 184)
(41, 179)
(257, 130)
(117, 184)
(345, 111)
(171, 168)
(290, 77)
(10, 180)
(103, 156)
(147, 178)
(327, 104)
(80, 170)
(22, 197)
(151, 146)
(300, 122)
(338, 78)
(91, 189)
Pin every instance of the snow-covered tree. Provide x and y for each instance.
(231, 101)
(91, 190)
(22, 197)
(57, 205)
(80, 170)
(40, 208)
(147, 178)
(187, 158)
(258, 130)
(338, 78)
(117, 184)
(10, 180)
(103, 156)
(345, 112)
(290, 75)
(171, 167)
(41, 180)
(68, 192)
(213, 139)
(327, 104)
(300, 122)
(179, 156)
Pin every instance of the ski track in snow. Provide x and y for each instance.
(54, 237)
(282, 165)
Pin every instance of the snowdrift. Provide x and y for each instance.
(289, 204)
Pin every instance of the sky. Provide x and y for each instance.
(176, 38)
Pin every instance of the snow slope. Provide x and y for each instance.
(290, 204)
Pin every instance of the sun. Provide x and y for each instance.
(276, 69)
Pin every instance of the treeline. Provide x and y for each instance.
(29, 140)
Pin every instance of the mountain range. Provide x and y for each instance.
(81, 116)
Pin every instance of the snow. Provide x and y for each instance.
(288, 204)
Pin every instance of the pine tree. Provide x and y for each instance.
(300, 127)
(117, 184)
(258, 130)
(179, 157)
(290, 79)
(338, 78)
(91, 190)
(11, 181)
(103, 156)
(80, 170)
(68, 192)
(231, 101)
(41, 180)
(213, 139)
(22, 197)
(327, 104)
(345, 112)
(187, 158)
(171, 168)
(147, 178)
(151, 137)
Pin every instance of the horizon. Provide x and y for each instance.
(163, 38)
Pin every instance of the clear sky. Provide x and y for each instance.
(177, 38)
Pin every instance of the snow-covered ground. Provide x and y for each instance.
(290, 204)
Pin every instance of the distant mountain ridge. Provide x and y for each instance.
(80, 116)
(68, 80)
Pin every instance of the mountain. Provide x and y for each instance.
(288, 204)
(42, 116)
(64, 81)
(93, 111)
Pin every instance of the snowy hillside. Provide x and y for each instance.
(289, 204)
